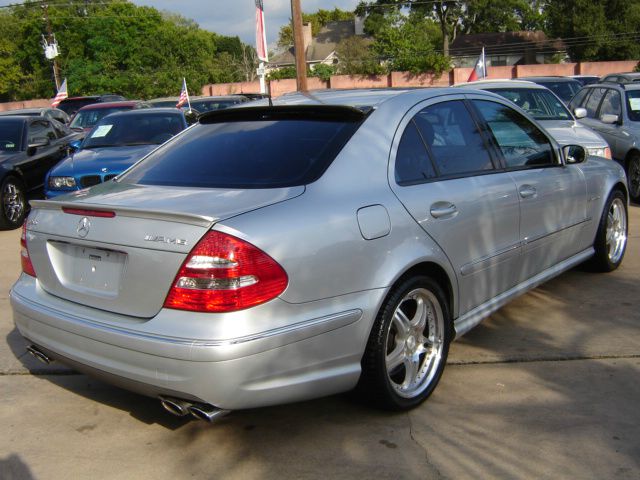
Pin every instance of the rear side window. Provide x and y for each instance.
(412, 161)
(522, 144)
(453, 139)
(270, 152)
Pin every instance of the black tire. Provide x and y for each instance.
(382, 383)
(13, 204)
(633, 177)
(610, 250)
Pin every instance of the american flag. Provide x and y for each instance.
(261, 35)
(184, 95)
(61, 95)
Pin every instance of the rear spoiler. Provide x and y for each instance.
(186, 218)
(327, 113)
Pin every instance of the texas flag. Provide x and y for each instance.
(480, 70)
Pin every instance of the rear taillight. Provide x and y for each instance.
(224, 274)
(27, 266)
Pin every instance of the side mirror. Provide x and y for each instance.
(580, 112)
(609, 118)
(37, 143)
(74, 146)
(574, 154)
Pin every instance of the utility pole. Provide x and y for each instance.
(51, 40)
(298, 46)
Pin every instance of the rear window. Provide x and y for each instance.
(250, 151)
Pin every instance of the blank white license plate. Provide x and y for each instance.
(83, 268)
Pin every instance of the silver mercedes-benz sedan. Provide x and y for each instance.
(338, 240)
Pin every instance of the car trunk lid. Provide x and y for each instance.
(119, 248)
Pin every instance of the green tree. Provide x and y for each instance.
(599, 29)
(116, 46)
(407, 43)
(357, 57)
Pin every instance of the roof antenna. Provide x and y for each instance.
(270, 101)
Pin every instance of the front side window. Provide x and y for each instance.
(594, 101)
(453, 139)
(579, 98)
(611, 104)
(39, 130)
(522, 144)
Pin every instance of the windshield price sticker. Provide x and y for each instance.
(101, 131)
(634, 103)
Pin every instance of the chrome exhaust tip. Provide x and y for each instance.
(39, 354)
(175, 406)
(209, 413)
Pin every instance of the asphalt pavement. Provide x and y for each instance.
(545, 388)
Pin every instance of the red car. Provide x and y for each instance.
(88, 116)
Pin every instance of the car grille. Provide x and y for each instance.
(91, 180)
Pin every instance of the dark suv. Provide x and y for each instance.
(72, 104)
(630, 77)
(613, 110)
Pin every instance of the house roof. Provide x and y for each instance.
(504, 43)
(322, 45)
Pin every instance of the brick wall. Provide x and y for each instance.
(395, 79)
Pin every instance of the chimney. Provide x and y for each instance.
(306, 35)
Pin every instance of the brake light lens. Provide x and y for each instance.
(25, 260)
(225, 274)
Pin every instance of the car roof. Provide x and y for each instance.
(550, 78)
(623, 86)
(221, 97)
(16, 118)
(146, 111)
(359, 98)
(24, 111)
(501, 83)
(98, 106)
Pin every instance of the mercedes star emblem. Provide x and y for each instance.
(83, 227)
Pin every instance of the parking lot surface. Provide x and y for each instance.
(547, 387)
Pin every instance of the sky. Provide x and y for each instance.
(237, 17)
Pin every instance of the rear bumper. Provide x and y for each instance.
(306, 359)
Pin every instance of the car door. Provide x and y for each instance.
(553, 196)
(444, 173)
(41, 159)
(618, 137)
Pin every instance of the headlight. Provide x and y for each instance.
(600, 152)
(58, 183)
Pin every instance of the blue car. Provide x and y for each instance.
(113, 145)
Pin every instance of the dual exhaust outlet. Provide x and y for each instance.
(201, 411)
(175, 406)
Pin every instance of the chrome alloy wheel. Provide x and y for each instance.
(414, 343)
(616, 237)
(12, 202)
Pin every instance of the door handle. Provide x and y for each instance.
(527, 191)
(443, 210)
